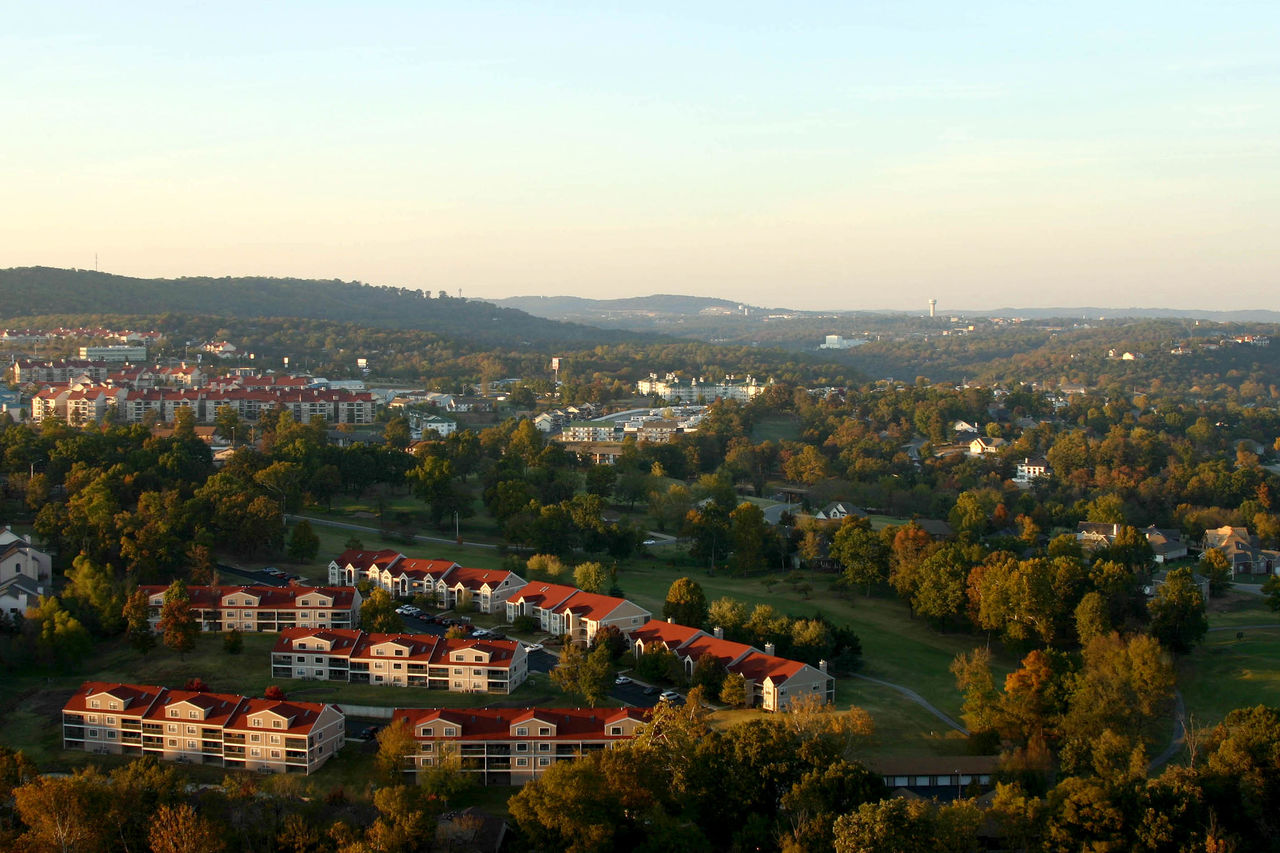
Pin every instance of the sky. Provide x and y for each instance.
(843, 155)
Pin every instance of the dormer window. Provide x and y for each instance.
(94, 703)
(277, 724)
(195, 715)
(450, 732)
(544, 730)
(257, 722)
(173, 712)
(522, 731)
(114, 706)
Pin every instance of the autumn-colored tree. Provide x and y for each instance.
(177, 623)
(136, 613)
(180, 829)
(378, 613)
(395, 744)
(584, 674)
(686, 603)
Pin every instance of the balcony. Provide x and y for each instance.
(232, 737)
(295, 743)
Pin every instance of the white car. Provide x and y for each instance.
(402, 610)
(532, 647)
(622, 679)
(670, 696)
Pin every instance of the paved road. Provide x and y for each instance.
(918, 699)
(1179, 734)
(360, 528)
(1246, 627)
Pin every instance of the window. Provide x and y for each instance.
(173, 741)
(195, 715)
(93, 732)
(114, 706)
(93, 718)
(93, 703)
(544, 730)
(522, 731)
(110, 721)
(275, 753)
(301, 672)
(191, 730)
(319, 660)
(173, 728)
(257, 722)
(544, 747)
(522, 747)
(522, 762)
(399, 652)
(457, 671)
(543, 762)
(277, 724)
(173, 712)
(191, 744)
(378, 651)
(255, 752)
(302, 658)
(275, 738)
(479, 658)
(255, 738)
(615, 730)
(450, 732)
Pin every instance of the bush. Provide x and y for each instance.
(233, 642)
(524, 624)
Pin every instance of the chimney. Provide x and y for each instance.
(822, 666)
(718, 632)
(671, 620)
(768, 649)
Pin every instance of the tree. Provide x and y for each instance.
(395, 743)
(584, 674)
(178, 620)
(378, 613)
(1092, 618)
(591, 577)
(136, 613)
(658, 663)
(709, 673)
(274, 691)
(61, 638)
(686, 603)
(62, 814)
(728, 614)
(1271, 589)
(545, 564)
(861, 552)
(1178, 619)
(95, 585)
(600, 480)
(179, 829)
(226, 423)
(748, 531)
(303, 543)
(733, 692)
(233, 642)
(1217, 568)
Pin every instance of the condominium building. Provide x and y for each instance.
(510, 746)
(772, 681)
(445, 581)
(403, 660)
(265, 608)
(569, 610)
(218, 729)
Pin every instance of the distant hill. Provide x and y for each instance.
(576, 307)
(34, 291)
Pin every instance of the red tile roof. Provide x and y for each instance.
(544, 595)
(590, 605)
(496, 723)
(756, 667)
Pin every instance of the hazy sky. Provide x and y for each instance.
(839, 155)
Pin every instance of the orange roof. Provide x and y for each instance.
(726, 650)
(475, 578)
(300, 716)
(545, 595)
(590, 605)
(757, 667)
(496, 723)
(137, 698)
(668, 633)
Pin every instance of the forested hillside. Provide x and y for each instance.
(44, 290)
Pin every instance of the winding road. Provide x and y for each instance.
(918, 699)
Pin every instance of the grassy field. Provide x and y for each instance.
(1225, 673)
(776, 428)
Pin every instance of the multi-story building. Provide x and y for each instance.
(114, 353)
(772, 682)
(540, 600)
(444, 580)
(402, 660)
(673, 388)
(58, 371)
(265, 608)
(219, 729)
(509, 746)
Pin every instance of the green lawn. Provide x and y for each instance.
(784, 427)
(1224, 673)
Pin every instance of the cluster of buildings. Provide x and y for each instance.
(83, 391)
(564, 610)
(400, 660)
(26, 573)
(676, 389)
(194, 727)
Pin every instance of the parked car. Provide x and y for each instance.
(368, 732)
(670, 696)
(532, 647)
(402, 610)
(622, 679)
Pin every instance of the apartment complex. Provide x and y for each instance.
(568, 610)
(218, 729)
(265, 608)
(401, 660)
(445, 581)
(90, 401)
(673, 387)
(509, 746)
(772, 681)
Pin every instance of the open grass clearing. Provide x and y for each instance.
(1225, 673)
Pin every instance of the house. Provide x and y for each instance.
(400, 660)
(1031, 469)
(965, 428)
(511, 746)
(839, 510)
(984, 445)
(486, 589)
(422, 423)
(443, 580)
(936, 528)
(1167, 544)
(19, 594)
(218, 729)
(20, 559)
(264, 608)
(1242, 551)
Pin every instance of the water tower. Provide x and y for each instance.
(933, 306)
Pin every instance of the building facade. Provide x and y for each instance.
(400, 660)
(217, 729)
(265, 608)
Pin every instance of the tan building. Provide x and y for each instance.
(445, 581)
(401, 660)
(509, 746)
(772, 681)
(265, 608)
(218, 729)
